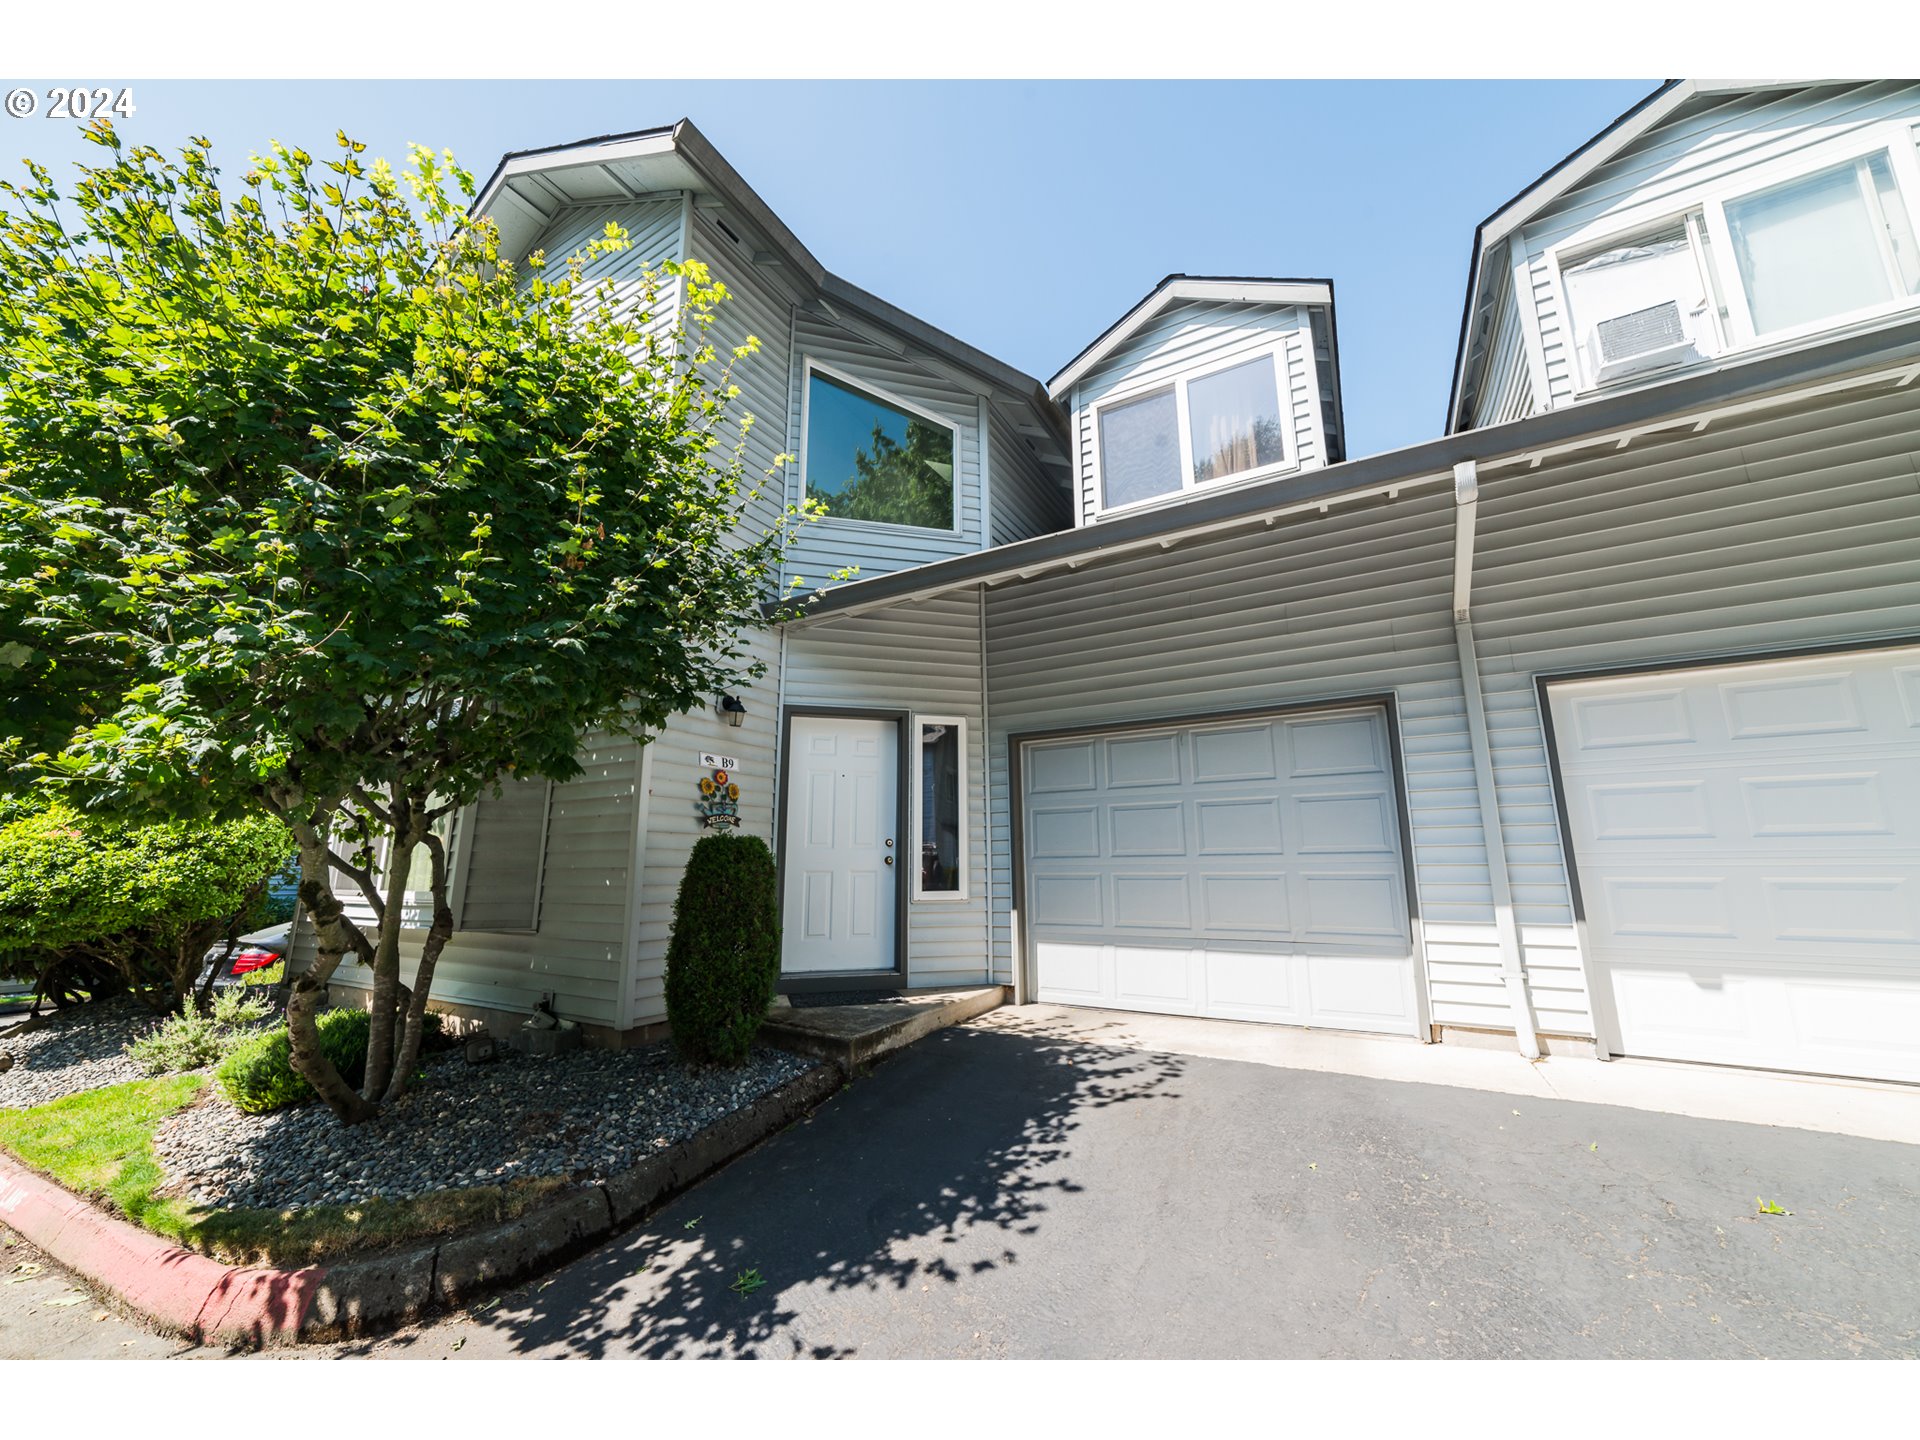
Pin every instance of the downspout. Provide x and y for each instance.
(1466, 504)
(985, 747)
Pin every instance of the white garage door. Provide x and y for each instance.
(1748, 849)
(1248, 869)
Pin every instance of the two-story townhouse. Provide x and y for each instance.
(1593, 724)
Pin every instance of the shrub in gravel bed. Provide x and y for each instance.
(192, 1039)
(724, 958)
(259, 1077)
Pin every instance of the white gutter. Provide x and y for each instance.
(1466, 497)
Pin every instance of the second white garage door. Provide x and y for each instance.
(1747, 840)
(1246, 869)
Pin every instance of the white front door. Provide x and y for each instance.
(1748, 845)
(842, 853)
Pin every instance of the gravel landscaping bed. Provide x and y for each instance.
(79, 1049)
(586, 1115)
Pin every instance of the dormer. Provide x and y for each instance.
(1208, 383)
(1715, 222)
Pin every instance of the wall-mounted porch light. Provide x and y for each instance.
(735, 711)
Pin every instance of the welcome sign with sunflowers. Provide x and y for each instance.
(719, 802)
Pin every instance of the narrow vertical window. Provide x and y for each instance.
(940, 871)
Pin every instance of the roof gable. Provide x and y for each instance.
(1176, 288)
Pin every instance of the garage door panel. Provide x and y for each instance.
(1365, 991)
(1064, 832)
(1340, 905)
(1336, 745)
(1158, 828)
(1250, 826)
(1235, 753)
(1356, 823)
(1248, 985)
(1143, 760)
(1151, 901)
(1747, 840)
(1165, 874)
(1251, 904)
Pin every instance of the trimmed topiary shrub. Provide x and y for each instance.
(724, 958)
(258, 1075)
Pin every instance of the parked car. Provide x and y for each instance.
(253, 952)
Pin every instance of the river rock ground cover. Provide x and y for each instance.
(581, 1116)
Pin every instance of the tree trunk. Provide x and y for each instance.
(437, 936)
(333, 937)
(386, 953)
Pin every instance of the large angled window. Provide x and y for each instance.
(871, 459)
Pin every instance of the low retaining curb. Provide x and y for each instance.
(250, 1306)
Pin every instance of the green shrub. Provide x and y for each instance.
(191, 1039)
(272, 975)
(90, 903)
(724, 958)
(258, 1076)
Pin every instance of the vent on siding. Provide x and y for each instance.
(506, 858)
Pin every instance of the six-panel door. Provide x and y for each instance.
(842, 851)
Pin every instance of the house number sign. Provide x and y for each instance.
(719, 803)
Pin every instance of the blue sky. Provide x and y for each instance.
(1025, 217)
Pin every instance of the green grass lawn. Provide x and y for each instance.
(99, 1143)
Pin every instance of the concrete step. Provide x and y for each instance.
(853, 1035)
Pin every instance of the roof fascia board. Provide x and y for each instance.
(1228, 289)
(1773, 379)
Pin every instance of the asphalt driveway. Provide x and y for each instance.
(1012, 1189)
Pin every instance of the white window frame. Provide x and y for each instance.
(1726, 290)
(1275, 354)
(965, 888)
(809, 365)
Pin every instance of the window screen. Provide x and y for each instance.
(1235, 415)
(869, 460)
(1139, 449)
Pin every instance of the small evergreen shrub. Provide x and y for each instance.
(191, 1039)
(724, 958)
(271, 975)
(258, 1076)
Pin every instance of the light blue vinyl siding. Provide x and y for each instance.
(1782, 529)
(923, 658)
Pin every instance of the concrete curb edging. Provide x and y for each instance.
(208, 1301)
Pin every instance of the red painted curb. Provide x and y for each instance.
(186, 1292)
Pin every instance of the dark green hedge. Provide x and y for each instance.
(724, 958)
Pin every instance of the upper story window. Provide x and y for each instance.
(875, 458)
(1815, 249)
(1221, 425)
(1749, 265)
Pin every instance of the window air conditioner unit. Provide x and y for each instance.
(1642, 340)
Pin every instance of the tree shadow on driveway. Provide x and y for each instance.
(898, 1184)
